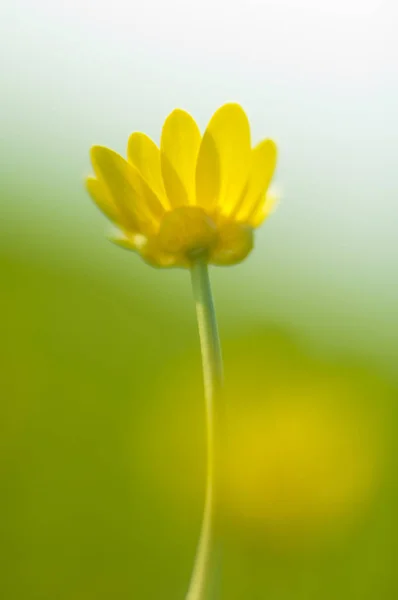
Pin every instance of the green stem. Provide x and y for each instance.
(207, 566)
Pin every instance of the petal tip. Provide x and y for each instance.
(272, 145)
(178, 112)
(97, 152)
(232, 107)
(89, 182)
(95, 149)
(177, 118)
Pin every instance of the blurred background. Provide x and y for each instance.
(102, 428)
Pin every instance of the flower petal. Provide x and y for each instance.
(144, 154)
(129, 191)
(208, 176)
(126, 240)
(179, 147)
(103, 200)
(224, 160)
(148, 249)
(265, 208)
(262, 169)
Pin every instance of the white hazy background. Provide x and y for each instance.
(319, 77)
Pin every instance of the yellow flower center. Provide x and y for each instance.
(234, 243)
(187, 230)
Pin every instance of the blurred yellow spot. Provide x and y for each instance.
(306, 454)
(299, 468)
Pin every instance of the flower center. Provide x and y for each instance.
(187, 230)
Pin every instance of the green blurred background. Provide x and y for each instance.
(102, 428)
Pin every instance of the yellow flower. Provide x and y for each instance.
(193, 196)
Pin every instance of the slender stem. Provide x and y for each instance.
(207, 566)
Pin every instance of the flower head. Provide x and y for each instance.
(196, 195)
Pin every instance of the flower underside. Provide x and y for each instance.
(195, 195)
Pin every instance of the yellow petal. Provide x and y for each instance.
(179, 147)
(149, 251)
(262, 169)
(265, 208)
(224, 160)
(103, 200)
(143, 153)
(125, 240)
(129, 191)
(208, 177)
